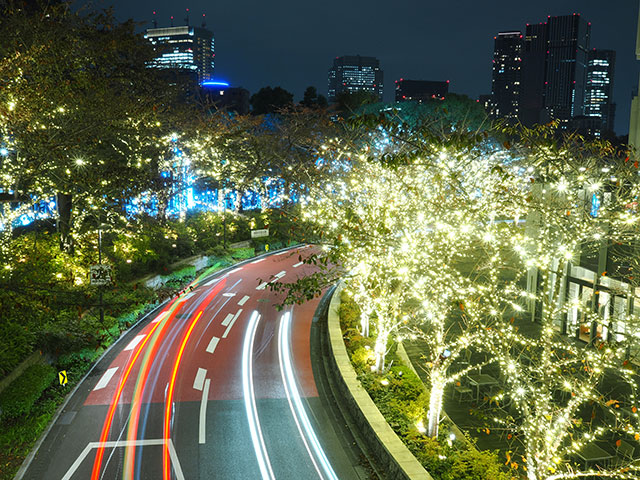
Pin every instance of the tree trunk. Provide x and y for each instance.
(380, 350)
(65, 204)
(435, 402)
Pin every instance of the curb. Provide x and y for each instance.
(395, 457)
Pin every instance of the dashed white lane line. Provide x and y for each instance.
(198, 383)
(226, 332)
(106, 378)
(282, 253)
(228, 294)
(159, 317)
(227, 319)
(298, 264)
(234, 270)
(258, 261)
(134, 342)
(280, 274)
(243, 300)
(262, 286)
(212, 345)
(203, 411)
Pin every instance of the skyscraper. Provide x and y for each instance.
(598, 99)
(420, 90)
(505, 82)
(185, 48)
(534, 59)
(355, 74)
(634, 117)
(554, 70)
(566, 67)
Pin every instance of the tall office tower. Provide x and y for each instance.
(353, 74)
(566, 67)
(634, 120)
(534, 58)
(554, 70)
(598, 98)
(186, 49)
(420, 90)
(507, 73)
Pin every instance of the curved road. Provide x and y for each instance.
(219, 384)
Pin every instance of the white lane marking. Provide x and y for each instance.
(134, 342)
(228, 294)
(159, 317)
(281, 274)
(127, 443)
(262, 286)
(258, 261)
(198, 383)
(244, 300)
(295, 401)
(106, 378)
(212, 345)
(234, 270)
(235, 317)
(298, 264)
(211, 282)
(203, 411)
(257, 439)
(228, 318)
(176, 463)
(282, 253)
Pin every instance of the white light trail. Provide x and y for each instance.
(250, 399)
(295, 402)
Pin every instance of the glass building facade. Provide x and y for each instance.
(355, 74)
(598, 100)
(506, 78)
(184, 48)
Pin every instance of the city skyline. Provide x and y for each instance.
(294, 45)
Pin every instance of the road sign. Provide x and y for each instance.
(100, 274)
(62, 377)
(263, 232)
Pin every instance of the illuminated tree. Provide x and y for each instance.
(411, 221)
(577, 198)
(79, 105)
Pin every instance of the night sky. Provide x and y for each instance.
(292, 43)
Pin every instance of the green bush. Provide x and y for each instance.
(17, 344)
(242, 253)
(20, 395)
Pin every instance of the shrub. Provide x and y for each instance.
(20, 395)
(242, 253)
(17, 344)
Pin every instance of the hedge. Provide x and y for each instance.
(21, 394)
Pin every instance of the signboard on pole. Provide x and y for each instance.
(263, 232)
(100, 274)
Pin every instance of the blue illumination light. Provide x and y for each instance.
(4, 152)
(595, 205)
(211, 83)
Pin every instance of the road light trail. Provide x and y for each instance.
(295, 402)
(250, 400)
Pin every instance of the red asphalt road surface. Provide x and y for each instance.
(220, 300)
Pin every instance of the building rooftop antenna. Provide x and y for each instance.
(186, 19)
(155, 20)
(204, 20)
(172, 20)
